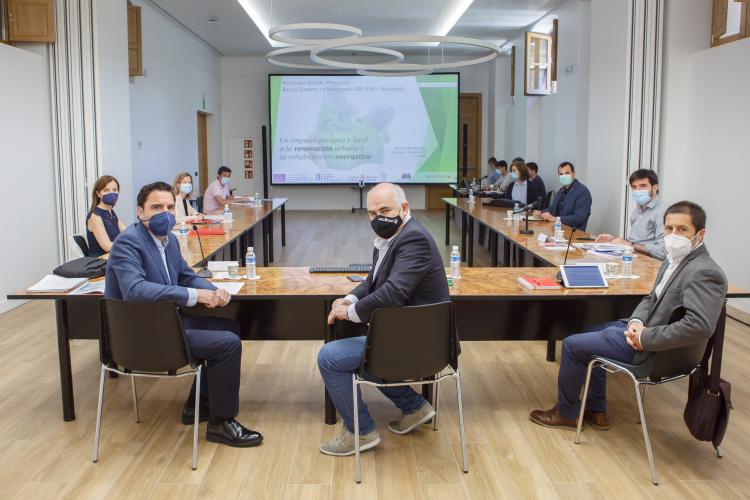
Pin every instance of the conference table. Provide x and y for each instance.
(511, 248)
(290, 303)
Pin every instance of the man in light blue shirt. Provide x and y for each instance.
(646, 233)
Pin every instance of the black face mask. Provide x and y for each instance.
(385, 227)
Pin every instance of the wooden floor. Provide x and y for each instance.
(281, 395)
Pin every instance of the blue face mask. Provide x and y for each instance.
(161, 223)
(641, 196)
(514, 175)
(110, 199)
(186, 188)
(566, 179)
(225, 181)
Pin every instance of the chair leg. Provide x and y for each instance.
(461, 421)
(642, 389)
(196, 421)
(99, 416)
(357, 464)
(718, 452)
(135, 400)
(436, 400)
(645, 432)
(583, 401)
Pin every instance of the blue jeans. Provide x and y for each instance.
(607, 341)
(337, 361)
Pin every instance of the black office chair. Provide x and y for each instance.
(199, 202)
(144, 340)
(548, 200)
(410, 345)
(81, 244)
(659, 368)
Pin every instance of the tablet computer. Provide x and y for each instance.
(583, 276)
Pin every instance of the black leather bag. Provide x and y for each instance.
(709, 396)
(85, 267)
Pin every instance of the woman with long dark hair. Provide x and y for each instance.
(102, 224)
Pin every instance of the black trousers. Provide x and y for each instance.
(217, 342)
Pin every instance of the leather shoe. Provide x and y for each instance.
(188, 415)
(232, 433)
(551, 418)
(597, 420)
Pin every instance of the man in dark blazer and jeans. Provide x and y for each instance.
(689, 280)
(407, 270)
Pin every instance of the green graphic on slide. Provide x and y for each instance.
(275, 90)
(441, 104)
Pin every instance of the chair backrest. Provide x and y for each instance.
(199, 202)
(548, 199)
(80, 244)
(410, 343)
(682, 360)
(147, 337)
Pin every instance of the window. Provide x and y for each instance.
(538, 67)
(730, 21)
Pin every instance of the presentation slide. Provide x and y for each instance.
(345, 129)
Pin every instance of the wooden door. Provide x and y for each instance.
(31, 20)
(202, 151)
(469, 114)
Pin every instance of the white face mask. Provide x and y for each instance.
(678, 246)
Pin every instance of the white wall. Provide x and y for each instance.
(548, 129)
(604, 172)
(244, 89)
(181, 77)
(113, 101)
(716, 138)
(26, 168)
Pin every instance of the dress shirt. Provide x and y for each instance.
(162, 245)
(382, 245)
(520, 191)
(647, 227)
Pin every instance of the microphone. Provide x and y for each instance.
(565, 261)
(204, 272)
(528, 208)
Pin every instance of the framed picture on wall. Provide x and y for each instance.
(248, 174)
(248, 143)
(248, 153)
(249, 164)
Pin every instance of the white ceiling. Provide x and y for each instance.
(234, 33)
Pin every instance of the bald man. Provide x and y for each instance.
(407, 271)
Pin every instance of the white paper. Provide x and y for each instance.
(214, 217)
(90, 287)
(53, 283)
(220, 265)
(232, 287)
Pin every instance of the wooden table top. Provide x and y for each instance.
(644, 267)
(475, 283)
(243, 218)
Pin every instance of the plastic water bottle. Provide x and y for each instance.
(183, 234)
(455, 263)
(471, 197)
(258, 200)
(559, 234)
(627, 263)
(516, 213)
(227, 214)
(250, 263)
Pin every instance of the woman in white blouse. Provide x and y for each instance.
(183, 190)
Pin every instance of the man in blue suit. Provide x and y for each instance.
(572, 203)
(145, 265)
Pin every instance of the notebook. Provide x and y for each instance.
(538, 283)
(53, 283)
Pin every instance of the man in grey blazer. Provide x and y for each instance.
(689, 281)
(407, 270)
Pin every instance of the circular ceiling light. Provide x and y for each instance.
(390, 67)
(275, 33)
(272, 58)
(401, 72)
